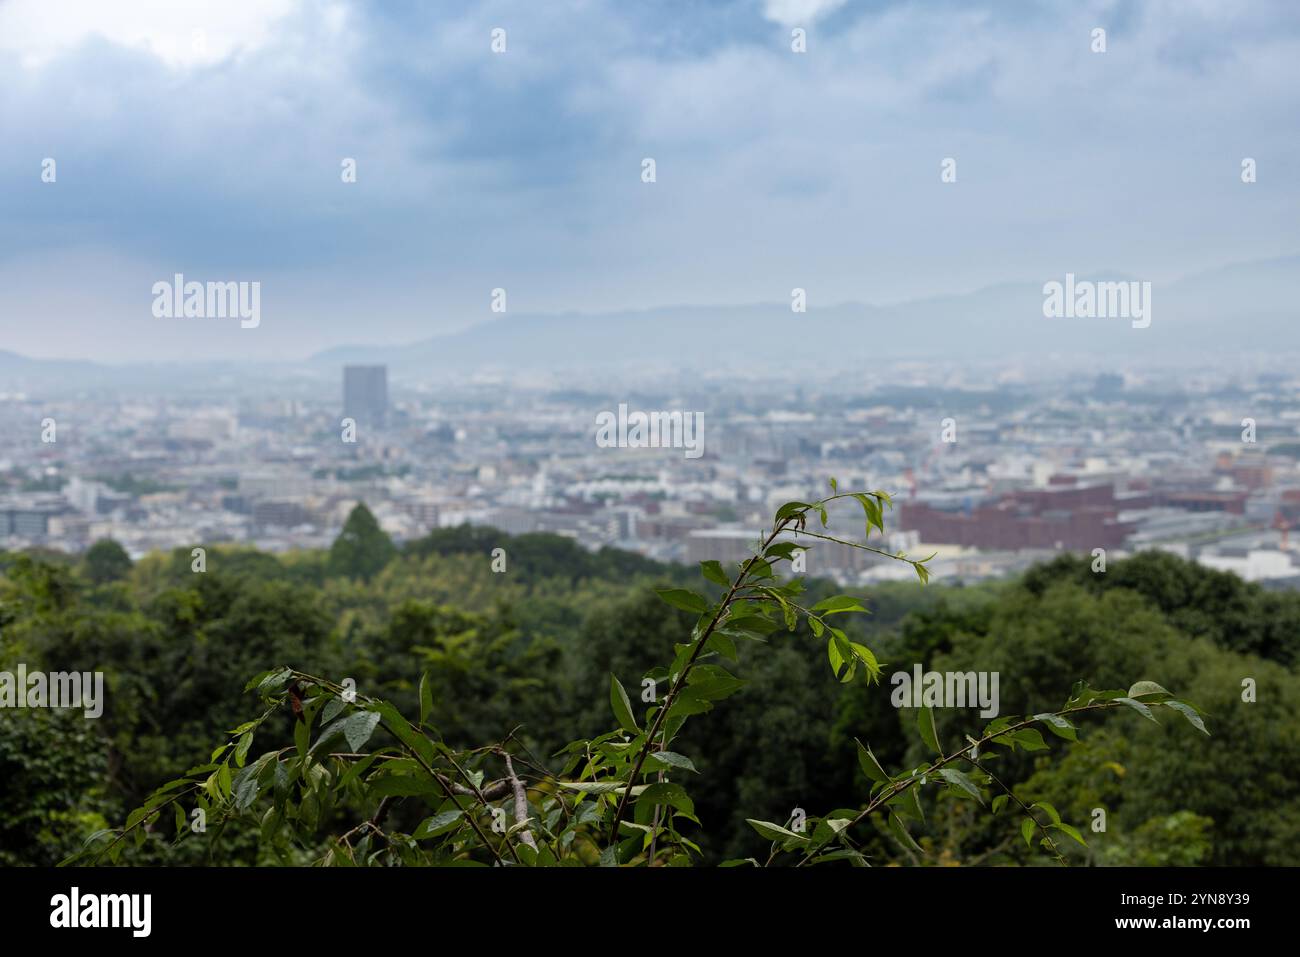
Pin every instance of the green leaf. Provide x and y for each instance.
(302, 736)
(838, 824)
(1070, 831)
(440, 823)
(1139, 707)
(673, 795)
(838, 604)
(774, 832)
(1027, 828)
(922, 573)
(713, 682)
(622, 706)
(998, 725)
(908, 804)
(871, 511)
(426, 697)
(172, 786)
(241, 752)
(1051, 811)
(1082, 695)
(842, 854)
(671, 759)
(1059, 726)
(1027, 738)
(356, 728)
(870, 766)
(959, 781)
(136, 816)
(358, 768)
(929, 731)
(998, 802)
(1144, 689)
(332, 709)
(840, 653)
(868, 659)
(743, 632)
(900, 833)
(683, 599)
(788, 614)
(273, 680)
(714, 572)
(1188, 712)
(723, 645)
(246, 788)
(784, 550)
(790, 508)
(601, 787)
(402, 730)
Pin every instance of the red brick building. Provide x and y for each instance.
(1072, 517)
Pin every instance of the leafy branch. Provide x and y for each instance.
(619, 797)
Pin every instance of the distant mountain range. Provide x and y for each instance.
(1249, 307)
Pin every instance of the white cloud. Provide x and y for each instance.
(194, 33)
(793, 13)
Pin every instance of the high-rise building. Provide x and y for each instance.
(365, 394)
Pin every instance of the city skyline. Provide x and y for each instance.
(990, 478)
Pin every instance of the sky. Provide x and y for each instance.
(208, 138)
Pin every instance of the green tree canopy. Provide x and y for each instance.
(362, 548)
(106, 561)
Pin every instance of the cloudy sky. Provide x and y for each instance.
(206, 137)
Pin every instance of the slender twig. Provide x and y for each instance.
(448, 787)
(796, 521)
(865, 548)
(125, 831)
(521, 802)
(369, 825)
(1029, 813)
(898, 787)
(995, 849)
(681, 677)
(448, 792)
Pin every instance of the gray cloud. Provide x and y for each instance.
(775, 169)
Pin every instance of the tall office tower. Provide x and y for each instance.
(365, 394)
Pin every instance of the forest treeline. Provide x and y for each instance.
(531, 648)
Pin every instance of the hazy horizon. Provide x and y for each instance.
(212, 142)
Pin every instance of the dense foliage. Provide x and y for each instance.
(517, 665)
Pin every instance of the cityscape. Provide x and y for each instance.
(858, 437)
(989, 479)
